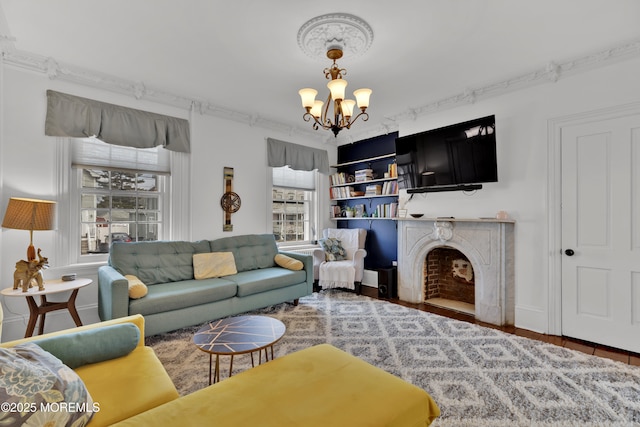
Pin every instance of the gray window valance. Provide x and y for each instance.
(72, 116)
(298, 157)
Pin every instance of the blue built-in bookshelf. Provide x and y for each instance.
(374, 195)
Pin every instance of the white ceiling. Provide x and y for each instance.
(243, 55)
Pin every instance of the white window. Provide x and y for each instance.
(294, 205)
(121, 195)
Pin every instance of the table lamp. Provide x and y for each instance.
(29, 214)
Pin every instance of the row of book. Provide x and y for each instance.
(384, 210)
(340, 192)
(340, 178)
(364, 175)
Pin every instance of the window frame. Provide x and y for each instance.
(314, 209)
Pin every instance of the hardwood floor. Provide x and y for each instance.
(571, 343)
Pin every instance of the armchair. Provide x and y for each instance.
(346, 273)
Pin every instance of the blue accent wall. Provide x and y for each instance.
(382, 237)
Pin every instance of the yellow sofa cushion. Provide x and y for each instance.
(213, 264)
(316, 387)
(287, 262)
(137, 289)
(126, 386)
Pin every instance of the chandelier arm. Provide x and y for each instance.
(365, 117)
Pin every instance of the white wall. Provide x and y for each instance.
(28, 169)
(522, 119)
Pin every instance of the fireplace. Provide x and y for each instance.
(448, 276)
(487, 244)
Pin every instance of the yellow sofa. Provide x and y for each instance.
(124, 386)
(318, 386)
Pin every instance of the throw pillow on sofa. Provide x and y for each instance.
(333, 249)
(38, 389)
(137, 289)
(213, 264)
(287, 262)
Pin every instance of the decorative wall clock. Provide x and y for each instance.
(230, 201)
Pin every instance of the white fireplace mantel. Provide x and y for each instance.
(486, 242)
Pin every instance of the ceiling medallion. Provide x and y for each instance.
(333, 35)
(347, 32)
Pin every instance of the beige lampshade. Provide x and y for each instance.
(337, 88)
(347, 107)
(307, 96)
(29, 214)
(316, 110)
(362, 96)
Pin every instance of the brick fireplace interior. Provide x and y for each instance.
(449, 280)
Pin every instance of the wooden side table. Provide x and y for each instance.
(50, 287)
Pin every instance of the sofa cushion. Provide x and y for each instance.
(158, 261)
(94, 345)
(256, 281)
(285, 261)
(127, 386)
(137, 289)
(32, 378)
(251, 251)
(187, 293)
(213, 264)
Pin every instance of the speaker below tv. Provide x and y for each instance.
(456, 157)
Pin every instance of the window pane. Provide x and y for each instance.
(148, 203)
(292, 214)
(147, 182)
(123, 180)
(95, 178)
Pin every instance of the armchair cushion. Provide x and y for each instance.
(333, 249)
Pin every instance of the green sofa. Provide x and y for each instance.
(175, 299)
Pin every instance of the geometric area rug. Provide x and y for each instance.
(478, 376)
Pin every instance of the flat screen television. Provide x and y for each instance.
(455, 157)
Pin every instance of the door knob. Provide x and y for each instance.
(569, 252)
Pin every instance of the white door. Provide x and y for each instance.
(601, 232)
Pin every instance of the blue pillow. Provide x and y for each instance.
(93, 345)
(333, 249)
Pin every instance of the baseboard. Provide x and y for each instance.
(370, 278)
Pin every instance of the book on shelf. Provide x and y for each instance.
(340, 192)
(335, 211)
(390, 187)
(340, 178)
(364, 175)
(387, 210)
(373, 190)
(392, 169)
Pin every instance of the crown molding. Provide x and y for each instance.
(137, 89)
(550, 73)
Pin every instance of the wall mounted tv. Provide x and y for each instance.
(457, 157)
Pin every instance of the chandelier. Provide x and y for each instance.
(334, 34)
(342, 115)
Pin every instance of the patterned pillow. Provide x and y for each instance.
(333, 250)
(36, 388)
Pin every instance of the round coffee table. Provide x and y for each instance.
(238, 335)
